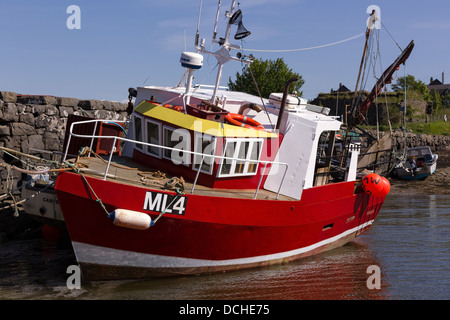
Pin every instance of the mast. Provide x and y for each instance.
(386, 77)
(223, 54)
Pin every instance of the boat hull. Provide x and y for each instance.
(404, 172)
(212, 234)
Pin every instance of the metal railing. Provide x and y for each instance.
(339, 163)
(203, 155)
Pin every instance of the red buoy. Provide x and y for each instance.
(386, 186)
(373, 185)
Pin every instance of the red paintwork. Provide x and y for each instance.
(212, 228)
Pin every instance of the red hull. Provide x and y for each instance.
(215, 233)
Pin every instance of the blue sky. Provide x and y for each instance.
(124, 44)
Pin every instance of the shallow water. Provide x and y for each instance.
(409, 242)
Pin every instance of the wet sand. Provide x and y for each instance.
(437, 183)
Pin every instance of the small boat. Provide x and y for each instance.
(39, 199)
(209, 180)
(418, 164)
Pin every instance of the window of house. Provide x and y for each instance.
(176, 139)
(154, 137)
(204, 144)
(242, 152)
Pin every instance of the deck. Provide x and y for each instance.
(125, 170)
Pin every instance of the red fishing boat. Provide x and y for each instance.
(209, 180)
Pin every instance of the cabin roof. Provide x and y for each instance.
(205, 93)
(189, 122)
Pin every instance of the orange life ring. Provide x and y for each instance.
(173, 107)
(243, 121)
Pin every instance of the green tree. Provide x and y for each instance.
(446, 100)
(412, 85)
(270, 76)
(436, 99)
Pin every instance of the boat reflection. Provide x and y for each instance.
(339, 274)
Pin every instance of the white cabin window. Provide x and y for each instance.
(204, 144)
(255, 153)
(242, 151)
(138, 131)
(176, 139)
(153, 137)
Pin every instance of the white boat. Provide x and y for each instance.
(418, 164)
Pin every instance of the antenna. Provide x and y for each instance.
(223, 54)
(197, 35)
(217, 19)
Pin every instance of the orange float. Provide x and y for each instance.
(376, 185)
(387, 186)
(243, 121)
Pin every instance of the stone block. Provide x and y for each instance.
(106, 105)
(33, 141)
(39, 109)
(4, 131)
(118, 106)
(27, 118)
(52, 142)
(21, 108)
(49, 122)
(8, 96)
(12, 142)
(10, 112)
(91, 104)
(65, 111)
(22, 129)
(51, 110)
(36, 99)
(68, 102)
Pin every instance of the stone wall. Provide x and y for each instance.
(39, 122)
(435, 142)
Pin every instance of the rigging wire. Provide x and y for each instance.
(391, 36)
(259, 93)
(310, 48)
